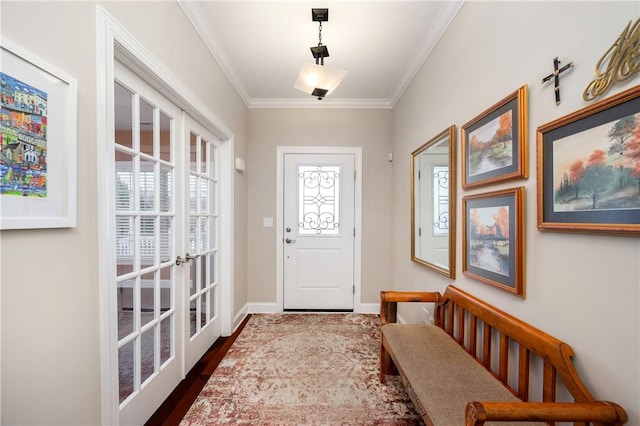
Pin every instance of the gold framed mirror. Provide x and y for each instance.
(433, 203)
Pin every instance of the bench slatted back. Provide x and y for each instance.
(465, 317)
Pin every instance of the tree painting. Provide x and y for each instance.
(599, 169)
(490, 146)
(489, 239)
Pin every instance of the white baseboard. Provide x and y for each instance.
(263, 308)
(272, 308)
(368, 308)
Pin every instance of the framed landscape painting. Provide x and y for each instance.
(493, 239)
(494, 144)
(589, 168)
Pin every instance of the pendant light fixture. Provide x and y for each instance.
(316, 79)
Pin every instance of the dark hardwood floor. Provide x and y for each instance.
(180, 400)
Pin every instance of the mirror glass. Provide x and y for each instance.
(433, 203)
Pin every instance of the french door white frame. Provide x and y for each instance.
(114, 42)
(281, 151)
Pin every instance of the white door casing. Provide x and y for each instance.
(318, 259)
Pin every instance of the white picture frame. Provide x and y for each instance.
(38, 158)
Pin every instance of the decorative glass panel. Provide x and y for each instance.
(440, 200)
(319, 200)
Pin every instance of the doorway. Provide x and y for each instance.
(165, 227)
(318, 228)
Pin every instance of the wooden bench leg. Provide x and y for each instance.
(386, 365)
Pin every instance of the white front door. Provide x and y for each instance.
(203, 290)
(318, 231)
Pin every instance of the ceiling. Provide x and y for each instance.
(261, 46)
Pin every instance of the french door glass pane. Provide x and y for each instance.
(165, 137)
(166, 278)
(125, 181)
(147, 359)
(147, 186)
(192, 318)
(146, 127)
(125, 308)
(147, 291)
(166, 188)
(193, 148)
(124, 116)
(212, 304)
(203, 310)
(203, 157)
(126, 367)
(165, 339)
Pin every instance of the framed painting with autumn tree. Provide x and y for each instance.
(494, 144)
(589, 168)
(493, 239)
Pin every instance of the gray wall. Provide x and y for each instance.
(50, 349)
(584, 289)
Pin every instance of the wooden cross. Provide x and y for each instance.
(556, 76)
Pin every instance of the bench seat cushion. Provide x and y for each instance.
(440, 376)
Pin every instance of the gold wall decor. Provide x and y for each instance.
(619, 62)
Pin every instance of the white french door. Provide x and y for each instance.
(319, 231)
(167, 224)
(203, 290)
(149, 224)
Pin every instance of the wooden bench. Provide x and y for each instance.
(478, 364)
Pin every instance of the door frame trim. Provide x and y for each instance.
(113, 42)
(357, 244)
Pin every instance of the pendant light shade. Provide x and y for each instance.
(319, 80)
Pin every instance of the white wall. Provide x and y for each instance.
(584, 289)
(48, 278)
(366, 128)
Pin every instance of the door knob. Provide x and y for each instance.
(289, 241)
(187, 257)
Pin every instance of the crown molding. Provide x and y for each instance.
(258, 103)
(449, 11)
(195, 15)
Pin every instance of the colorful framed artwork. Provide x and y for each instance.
(493, 239)
(589, 168)
(494, 144)
(38, 105)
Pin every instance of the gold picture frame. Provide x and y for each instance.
(588, 168)
(495, 143)
(493, 239)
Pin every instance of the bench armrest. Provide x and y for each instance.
(389, 302)
(599, 412)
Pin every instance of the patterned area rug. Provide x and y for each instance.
(303, 369)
